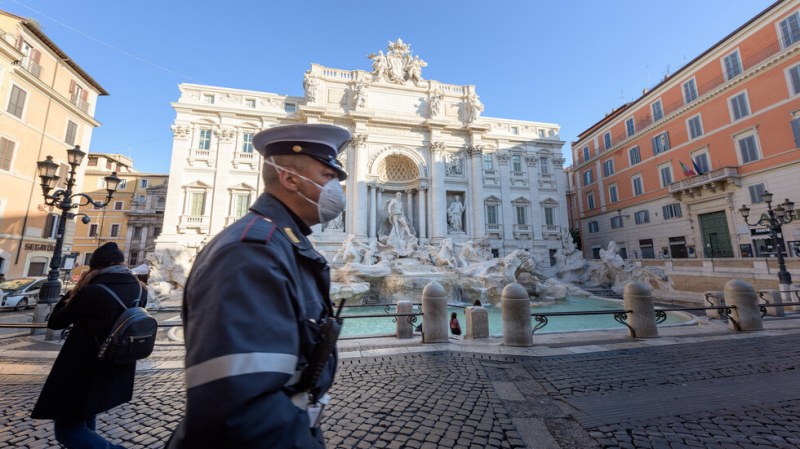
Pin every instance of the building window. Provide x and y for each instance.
(250, 103)
(541, 133)
(17, 102)
(793, 74)
(93, 230)
(612, 193)
(515, 131)
(607, 140)
(748, 149)
(701, 164)
(290, 108)
(616, 222)
(137, 232)
(585, 153)
(197, 204)
(608, 167)
(660, 143)
(671, 211)
(156, 232)
(140, 199)
(118, 205)
(544, 165)
(756, 192)
(795, 131)
(6, 153)
(739, 107)
(790, 29)
(593, 227)
(590, 200)
(588, 178)
(92, 162)
(123, 184)
(630, 127)
(87, 258)
(208, 99)
(549, 216)
(634, 155)
(666, 175)
(247, 143)
(51, 226)
(522, 214)
(689, 91)
(72, 132)
(658, 111)
(638, 188)
(488, 164)
(241, 204)
(491, 214)
(114, 230)
(516, 163)
(133, 258)
(641, 216)
(732, 64)
(143, 183)
(205, 140)
(695, 126)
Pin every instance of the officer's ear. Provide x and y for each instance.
(289, 179)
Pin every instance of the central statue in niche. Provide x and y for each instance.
(396, 231)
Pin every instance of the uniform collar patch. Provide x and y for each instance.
(290, 233)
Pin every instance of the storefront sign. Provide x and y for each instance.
(39, 247)
(759, 231)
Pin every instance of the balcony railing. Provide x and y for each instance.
(76, 100)
(551, 229)
(720, 174)
(194, 222)
(33, 67)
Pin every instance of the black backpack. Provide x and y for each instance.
(133, 335)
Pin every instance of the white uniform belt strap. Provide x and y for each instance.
(238, 364)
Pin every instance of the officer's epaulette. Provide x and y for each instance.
(259, 229)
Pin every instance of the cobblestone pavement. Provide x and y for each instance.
(738, 393)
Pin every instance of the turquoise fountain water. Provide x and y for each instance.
(382, 326)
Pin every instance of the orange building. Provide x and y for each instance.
(132, 219)
(664, 176)
(47, 105)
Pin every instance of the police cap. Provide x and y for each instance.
(320, 141)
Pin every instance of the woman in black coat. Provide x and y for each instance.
(80, 385)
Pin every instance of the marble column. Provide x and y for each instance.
(409, 206)
(422, 215)
(359, 221)
(507, 207)
(475, 203)
(438, 192)
(373, 210)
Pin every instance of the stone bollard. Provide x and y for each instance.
(741, 298)
(637, 298)
(477, 322)
(434, 314)
(772, 297)
(713, 298)
(516, 306)
(404, 327)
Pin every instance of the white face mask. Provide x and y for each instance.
(331, 201)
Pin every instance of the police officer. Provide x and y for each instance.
(256, 299)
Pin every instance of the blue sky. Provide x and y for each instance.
(563, 61)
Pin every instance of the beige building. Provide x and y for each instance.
(47, 105)
(132, 219)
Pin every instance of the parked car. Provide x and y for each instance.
(19, 294)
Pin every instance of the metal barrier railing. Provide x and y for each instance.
(411, 317)
(619, 316)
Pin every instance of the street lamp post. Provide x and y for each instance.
(62, 199)
(773, 220)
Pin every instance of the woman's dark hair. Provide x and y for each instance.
(477, 303)
(453, 316)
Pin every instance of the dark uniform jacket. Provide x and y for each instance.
(80, 385)
(247, 310)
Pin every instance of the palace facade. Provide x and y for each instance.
(501, 179)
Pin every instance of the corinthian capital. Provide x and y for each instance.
(474, 150)
(438, 147)
(358, 140)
